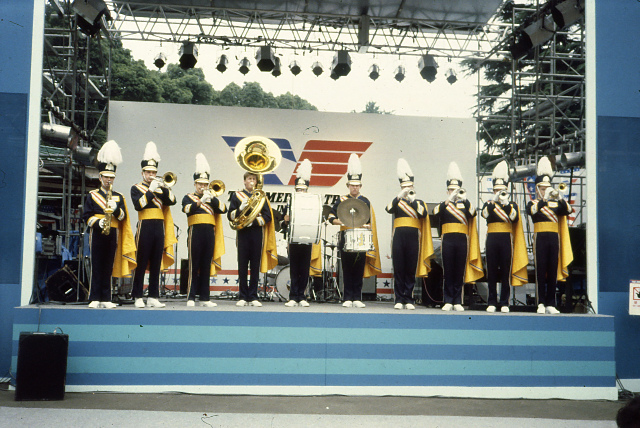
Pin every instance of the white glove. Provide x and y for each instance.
(111, 204)
(154, 185)
(548, 192)
(403, 193)
(101, 223)
(453, 196)
(243, 205)
(205, 198)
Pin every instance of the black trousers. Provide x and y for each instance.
(454, 264)
(499, 259)
(149, 249)
(249, 254)
(547, 246)
(405, 250)
(299, 259)
(201, 242)
(103, 253)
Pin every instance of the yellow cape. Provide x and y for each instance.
(474, 270)
(169, 239)
(372, 265)
(315, 268)
(269, 258)
(519, 274)
(218, 249)
(125, 261)
(426, 248)
(565, 255)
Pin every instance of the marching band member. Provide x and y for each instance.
(551, 247)
(412, 246)
(461, 260)
(154, 235)
(300, 254)
(506, 251)
(205, 238)
(355, 265)
(111, 242)
(256, 242)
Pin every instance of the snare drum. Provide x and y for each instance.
(306, 218)
(358, 240)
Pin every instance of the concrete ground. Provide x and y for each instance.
(184, 410)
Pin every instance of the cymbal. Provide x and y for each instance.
(353, 212)
(326, 209)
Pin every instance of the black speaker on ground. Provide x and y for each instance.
(184, 276)
(42, 366)
(64, 286)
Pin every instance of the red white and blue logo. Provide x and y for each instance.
(329, 160)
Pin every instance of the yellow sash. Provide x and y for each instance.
(201, 219)
(151, 214)
(315, 268)
(269, 258)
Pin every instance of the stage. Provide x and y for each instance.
(330, 350)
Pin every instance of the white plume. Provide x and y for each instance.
(501, 171)
(403, 169)
(201, 164)
(354, 166)
(110, 153)
(151, 152)
(453, 173)
(304, 170)
(544, 167)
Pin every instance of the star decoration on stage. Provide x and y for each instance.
(226, 280)
(386, 284)
(214, 280)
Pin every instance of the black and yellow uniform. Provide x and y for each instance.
(154, 225)
(250, 242)
(551, 248)
(201, 242)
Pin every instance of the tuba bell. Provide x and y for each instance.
(257, 155)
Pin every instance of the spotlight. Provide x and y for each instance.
(188, 55)
(333, 75)
(316, 68)
(451, 76)
(428, 67)
(341, 65)
(295, 68)
(90, 13)
(399, 73)
(244, 65)
(374, 72)
(568, 12)
(160, 60)
(276, 69)
(534, 35)
(222, 63)
(264, 58)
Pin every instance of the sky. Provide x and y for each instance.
(413, 96)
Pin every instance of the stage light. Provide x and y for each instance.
(333, 75)
(316, 68)
(451, 76)
(222, 63)
(568, 12)
(264, 58)
(244, 65)
(90, 13)
(295, 68)
(341, 65)
(428, 67)
(160, 60)
(399, 73)
(533, 35)
(188, 55)
(276, 69)
(374, 72)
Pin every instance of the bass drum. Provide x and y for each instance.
(306, 218)
(283, 280)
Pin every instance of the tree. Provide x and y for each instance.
(185, 86)
(373, 107)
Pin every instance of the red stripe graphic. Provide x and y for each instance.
(329, 159)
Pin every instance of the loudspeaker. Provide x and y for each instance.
(63, 286)
(184, 276)
(42, 366)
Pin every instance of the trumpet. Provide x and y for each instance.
(557, 192)
(168, 180)
(217, 187)
(501, 196)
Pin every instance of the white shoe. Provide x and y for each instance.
(256, 303)
(94, 305)
(504, 309)
(358, 304)
(208, 304)
(410, 306)
(491, 308)
(398, 306)
(540, 309)
(139, 303)
(347, 303)
(458, 308)
(191, 303)
(551, 310)
(152, 302)
(291, 304)
(108, 305)
(241, 303)
(304, 303)
(447, 307)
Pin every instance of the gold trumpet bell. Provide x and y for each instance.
(170, 179)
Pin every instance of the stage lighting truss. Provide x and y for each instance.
(160, 60)
(244, 65)
(316, 68)
(188, 55)
(428, 67)
(450, 74)
(222, 63)
(374, 72)
(399, 74)
(295, 68)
